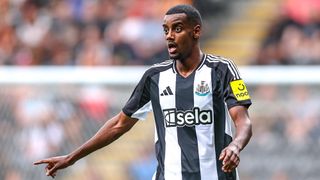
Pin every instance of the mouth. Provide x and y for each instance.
(172, 47)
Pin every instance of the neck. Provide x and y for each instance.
(186, 66)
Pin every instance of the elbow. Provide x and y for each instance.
(123, 124)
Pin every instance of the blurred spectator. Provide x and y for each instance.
(280, 175)
(295, 37)
(40, 134)
(13, 174)
(303, 114)
(93, 51)
(94, 101)
(144, 166)
(268, 116)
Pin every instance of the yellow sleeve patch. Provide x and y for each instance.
(239, 90)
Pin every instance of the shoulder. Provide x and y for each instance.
(219, 60)
(166, 63)
(159, 67)
(223, 65)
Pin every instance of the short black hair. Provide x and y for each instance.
(192, 13)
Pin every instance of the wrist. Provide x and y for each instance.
(70, 159)
(235, 144)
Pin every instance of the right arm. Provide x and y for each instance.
(109, 132)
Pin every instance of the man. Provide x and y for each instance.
(193, 96)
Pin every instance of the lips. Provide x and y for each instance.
(172, 47)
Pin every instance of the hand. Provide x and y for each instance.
(54, 164)
(230, 157)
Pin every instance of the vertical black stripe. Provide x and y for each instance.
(219, 119)
(160, 144)
(221, 138)
(187, 137)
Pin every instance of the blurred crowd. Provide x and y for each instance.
(294, 118)
(286, 133)
(129, 32)
(82, 32)
(36, 124)
(294, 37)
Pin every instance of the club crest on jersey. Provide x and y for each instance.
(202, 89)
(175, 118)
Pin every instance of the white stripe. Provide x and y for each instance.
(154, 176)
(164, 63)
(230, 63)
(228, 123)
(202, 61)
(205, 133)
(224, 59)
(237, 174)
(174, 67)
(142, 113)
(233, 69)
(155, 140)
(172, 162)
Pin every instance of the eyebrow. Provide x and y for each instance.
(174, 24)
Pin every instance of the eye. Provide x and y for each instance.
(178, 29)
(166, 31)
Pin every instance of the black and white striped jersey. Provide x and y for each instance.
(191, 116)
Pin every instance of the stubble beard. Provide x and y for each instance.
(175, 57)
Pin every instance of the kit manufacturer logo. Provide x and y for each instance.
(166, 92)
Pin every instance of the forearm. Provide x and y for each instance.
(243, 127)
(243, 134)
(108, 133)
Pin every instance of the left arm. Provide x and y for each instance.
(230, 155)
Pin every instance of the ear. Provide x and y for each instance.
(196, 31)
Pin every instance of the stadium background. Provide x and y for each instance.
(95, 44)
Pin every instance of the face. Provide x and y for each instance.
(181, 35)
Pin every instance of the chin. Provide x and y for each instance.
(174, 56)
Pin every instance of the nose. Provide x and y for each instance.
(170, 35)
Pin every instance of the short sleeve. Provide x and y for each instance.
(139, 105)
(235, 90)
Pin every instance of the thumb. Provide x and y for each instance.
(52, 170)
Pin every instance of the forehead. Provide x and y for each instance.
(175, 18)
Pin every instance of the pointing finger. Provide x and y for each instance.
(41, 161)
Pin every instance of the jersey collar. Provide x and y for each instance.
(174, 67)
